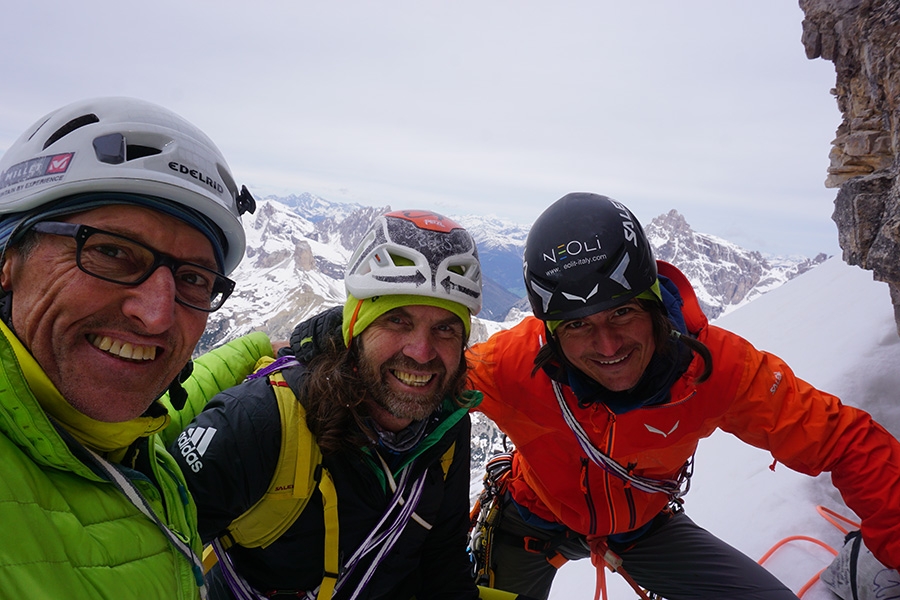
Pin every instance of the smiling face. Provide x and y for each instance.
(613, 346)
(410, 359)
(110, 349)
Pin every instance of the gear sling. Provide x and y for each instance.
(298, 472)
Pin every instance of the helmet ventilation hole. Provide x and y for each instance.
(133, 151)
(113, 149)
(70, 127)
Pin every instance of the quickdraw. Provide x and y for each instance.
(484, 517)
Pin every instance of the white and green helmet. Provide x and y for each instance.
(418, 253)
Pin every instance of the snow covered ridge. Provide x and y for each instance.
(297, 247)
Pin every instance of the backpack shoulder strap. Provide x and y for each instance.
(296, 476)
(298, 473)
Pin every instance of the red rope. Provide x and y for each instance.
(611, 561)
(801, 538)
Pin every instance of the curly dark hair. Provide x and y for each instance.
(334, 397)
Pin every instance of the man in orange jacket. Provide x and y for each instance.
(605, 394)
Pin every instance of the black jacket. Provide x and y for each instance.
(236, 464)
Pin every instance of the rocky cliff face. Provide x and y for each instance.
(862, 39)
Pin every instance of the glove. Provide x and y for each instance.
(855, 573)
(316, 334)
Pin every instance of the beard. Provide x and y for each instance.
(407, 405)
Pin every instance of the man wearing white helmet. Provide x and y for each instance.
(389, 423)
(94, 198)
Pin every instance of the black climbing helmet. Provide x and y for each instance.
(584, 254)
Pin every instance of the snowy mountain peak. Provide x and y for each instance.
(315, 208)
(297, 248)
(495, 233)
(724, 275)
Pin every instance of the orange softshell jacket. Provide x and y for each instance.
(751, 394)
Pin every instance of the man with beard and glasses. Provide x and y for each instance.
(387, 409)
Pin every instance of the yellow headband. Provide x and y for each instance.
(359, 314)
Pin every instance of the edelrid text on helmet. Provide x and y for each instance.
(125, 146)
(419, 253)
(584, 254)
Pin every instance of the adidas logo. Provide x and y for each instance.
(193, 442)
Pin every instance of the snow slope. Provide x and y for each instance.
(834, 326)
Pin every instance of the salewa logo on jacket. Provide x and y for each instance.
(193, 442)
(653, 429)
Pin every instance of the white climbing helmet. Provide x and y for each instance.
(124, 146)
(416, 252)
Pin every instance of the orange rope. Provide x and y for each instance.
(612, 562)
(833, 518)
(830, 516)
(801, 538)
(793, 538)
(810, 583)
(600, 587)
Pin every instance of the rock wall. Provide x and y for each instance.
(862, 39)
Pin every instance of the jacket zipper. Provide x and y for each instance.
(586, 490)
(588, 495)
(629, 497)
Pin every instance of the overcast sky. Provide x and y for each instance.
(469, 106)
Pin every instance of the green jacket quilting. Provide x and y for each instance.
(69, 533)
(217, 370)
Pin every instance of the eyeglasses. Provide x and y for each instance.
(118, 259)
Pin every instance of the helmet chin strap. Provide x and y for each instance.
(6, 308)
(177, 394)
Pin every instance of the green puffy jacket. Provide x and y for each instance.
(70, 533)
(217, 370)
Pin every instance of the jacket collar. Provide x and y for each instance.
(106, 438)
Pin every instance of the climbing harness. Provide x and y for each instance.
(485, 519)
(485, 514)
